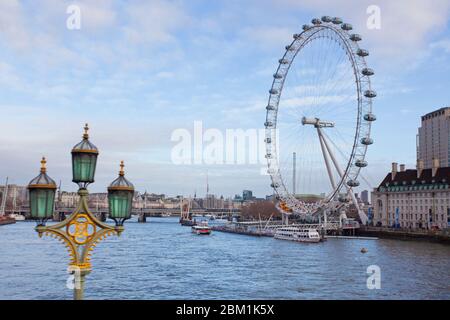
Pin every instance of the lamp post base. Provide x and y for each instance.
(78, 290)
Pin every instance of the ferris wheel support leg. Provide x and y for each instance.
(326, 159)
(361, 213)
(285, 219)
(330, 152)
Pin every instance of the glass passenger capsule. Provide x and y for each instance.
(355, 37)
(273, 91)
(370, 94)
(353, 183)
(362, 52)
(370, 117)
(290, 48)
(277, 76)
(367, 72)
(347, 27)
(367, 141)
(361, 163)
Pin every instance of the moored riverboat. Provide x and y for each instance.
(6, 220)
(187, 222)
(297, 234)
(17, 217)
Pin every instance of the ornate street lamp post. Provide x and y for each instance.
(81, 231)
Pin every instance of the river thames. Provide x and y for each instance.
(162, 260)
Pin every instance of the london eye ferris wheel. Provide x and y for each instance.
(319, 117)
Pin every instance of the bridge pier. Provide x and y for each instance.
(59, 216)
(102, 216)
(142, 218)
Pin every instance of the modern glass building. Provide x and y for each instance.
(433, 138)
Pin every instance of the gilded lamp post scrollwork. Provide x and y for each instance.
(81, 231)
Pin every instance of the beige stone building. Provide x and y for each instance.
(67, 199)
(413, 198)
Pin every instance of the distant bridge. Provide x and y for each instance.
(159, 212)
(102, 213)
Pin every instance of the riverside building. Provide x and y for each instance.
(413, 198)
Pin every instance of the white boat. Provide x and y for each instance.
(201, 228)
(17, 217)
(297, 234)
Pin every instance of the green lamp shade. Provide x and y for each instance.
(120, 202)
(83, 166)
(42, 190)
(120, 198)
(84, 160)
(42, 202)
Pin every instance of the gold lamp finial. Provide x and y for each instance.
(86, 129)
(122, 165)
(43, 162)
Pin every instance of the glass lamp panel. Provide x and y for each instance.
(119, 204)
(84, 167)
(50, 202)
(41, 203)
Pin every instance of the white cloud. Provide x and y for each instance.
(24, 29)
(311, 101)
(165, 75)
(267, 37)
(12, 24)
(247, 107)
(441, 45)
(9, 76)
(406, 25)
(154, 21)
(111, 69)
(98, 14)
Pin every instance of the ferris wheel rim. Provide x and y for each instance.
(358, 64)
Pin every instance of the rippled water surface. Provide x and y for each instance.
(162, 260)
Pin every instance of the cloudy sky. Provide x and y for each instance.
(138, 70)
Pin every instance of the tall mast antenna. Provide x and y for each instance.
(207, 183)
(294, 165)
